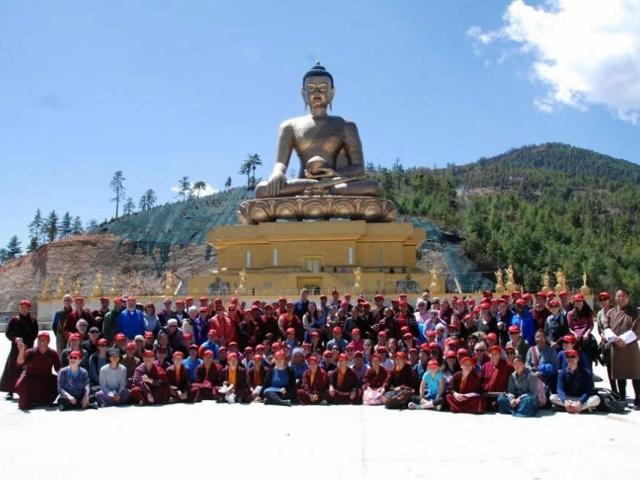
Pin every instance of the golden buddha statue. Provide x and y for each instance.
(328, 146)
(331, 182)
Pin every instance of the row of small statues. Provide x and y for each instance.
(98, 290)
(561, 282)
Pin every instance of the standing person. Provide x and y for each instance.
(58, 321)
(24, 327)
(625, 357)
(110, 320)
(130, 321)
(37, 385)
(70, 324)
(73, 385)
(580, 321)
(556, 325)
(604, 298)
(113, 382)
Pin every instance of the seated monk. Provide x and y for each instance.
(374, 382)
(329, 147)
(401, 376)
(150, 382)
(465, 390)
(234, 381)
(180, 388)
(315, 384)
(256, 375)
(130, 362)
(37, 385)
(495, 375)
(208, 377)
(343, 384)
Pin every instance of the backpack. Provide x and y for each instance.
(397, 399)
(611, 402)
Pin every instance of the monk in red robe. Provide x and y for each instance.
(256, 375)
(402, 375)
(288, 320)
(79, 312)
(37, 385)
(180, 388)
(150, 382)
(207, 377)
(23, 326)
(236, 376)
(465, 390)
(224, 326)
(343, 384)
(315, 385)
(495, 374)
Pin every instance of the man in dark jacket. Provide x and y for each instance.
(575, 387)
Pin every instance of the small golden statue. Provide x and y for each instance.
(78, 288)
(98, 290)
(169, 287)
(357, 273)
(60, 290)
(546, 283)
(46, 294)
(434, 286)
(114, 286)
(499, 282)
(584, 289)
(242, 275)
(511, 282)
(561, 283)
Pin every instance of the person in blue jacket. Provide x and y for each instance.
(569, 343)
(524, 320)
(575, 387)
(131, 321)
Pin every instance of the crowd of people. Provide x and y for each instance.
(514, 353)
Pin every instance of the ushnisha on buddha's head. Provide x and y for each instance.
(318, 89)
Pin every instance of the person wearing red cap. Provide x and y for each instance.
(516, 341)
(495, 374)
(25, 327)
(401, 376)
(207, 377)
(315, 384)
(267, 324)
(374, 382)
(96, 361)
(625, 355)
(580, 320)
(256, 375)
(432, 389)
(130, 361)
(36, 385)
(540, 312)
(556, 325)
(487, 322)
(110, 319)
(78, 312)
(280, 383)
(288, 319)
(465, 390)
(542, 360)
(58, 321)
(225, 327)
(575, 387)
(150, 382)
(73, 386)
(181, 313)
(248, 329)
(337, 340)
(565, 301)
(180, 388)
(234, 381)
(343, 384)
(521, 398)
(75, 344)
(389, 324)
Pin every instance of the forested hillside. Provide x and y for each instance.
(539, 208)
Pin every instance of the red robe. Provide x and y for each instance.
(37, 385)
(251, 373)
(319, 386)
(21, 326)
(473, 384)
(495, 378)
(405, 377)
(70, 322)
(208, 382)
(182, 384)
(295, 323)
(243, 395)
(226, 329)
(159, 388)
(349, 382)
(375, 380)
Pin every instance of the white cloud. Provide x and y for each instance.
(208, 190)
(586, 52)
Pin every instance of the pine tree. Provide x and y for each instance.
(184, 187)
(148, 200)
(33, 245)
(3, 256)
(249, 166)
(50, 226)
(36, 230)
(14, 250)
(64, 230)
(117, 186)
(129, 207)
(76, 227)
(227, 184)
(91, 224)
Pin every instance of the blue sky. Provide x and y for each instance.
(172, 88)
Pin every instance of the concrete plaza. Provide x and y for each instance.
(245, 441)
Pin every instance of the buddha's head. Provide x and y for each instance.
(318, 89)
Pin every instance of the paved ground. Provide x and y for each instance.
(313, 442)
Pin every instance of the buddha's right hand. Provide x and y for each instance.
(275, 182)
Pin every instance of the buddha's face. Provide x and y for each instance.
(318, 92)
